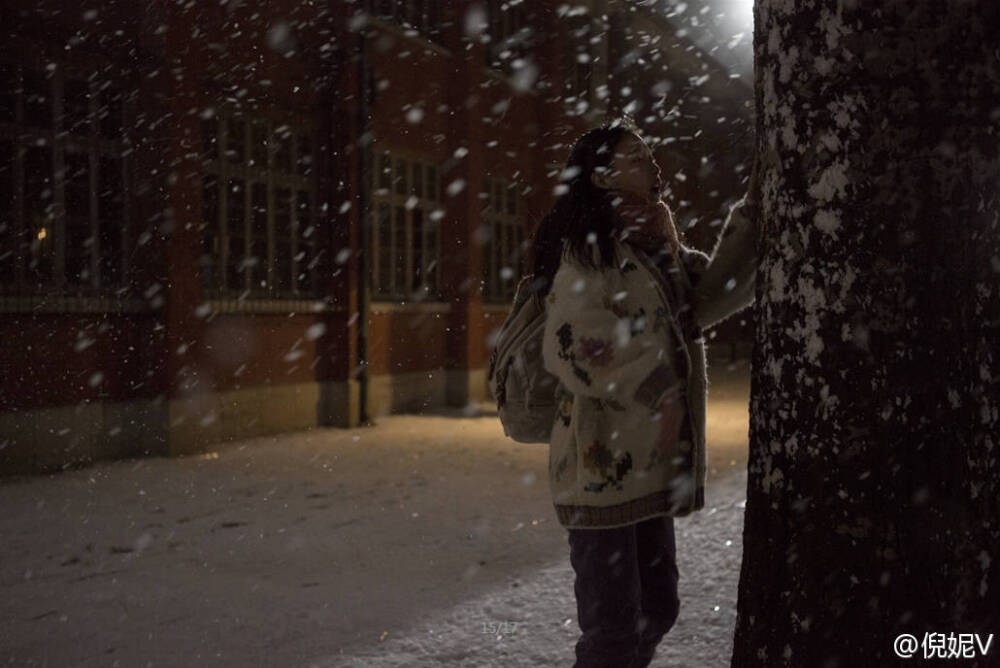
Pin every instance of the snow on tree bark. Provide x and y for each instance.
(873, 501)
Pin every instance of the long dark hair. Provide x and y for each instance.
(581, 209)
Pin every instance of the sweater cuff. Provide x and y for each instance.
(655, 388)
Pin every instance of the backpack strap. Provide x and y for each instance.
(520, 296)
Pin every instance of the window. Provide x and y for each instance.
(504, 245)
(406, 211)
(424, 16)
(510, 35)
(64, 183)
(578, 60)
(258, 194)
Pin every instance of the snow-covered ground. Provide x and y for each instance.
(531, 619)
(423, 541)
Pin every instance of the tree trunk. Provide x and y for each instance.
(873, 500)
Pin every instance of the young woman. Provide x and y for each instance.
(625, 305)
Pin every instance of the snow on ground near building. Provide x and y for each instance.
(425, 540)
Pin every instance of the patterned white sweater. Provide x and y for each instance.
(613, 339)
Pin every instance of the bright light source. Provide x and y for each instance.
(744, 10)
(738, 14)
(721, 27)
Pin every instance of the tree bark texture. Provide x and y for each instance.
(873, 500)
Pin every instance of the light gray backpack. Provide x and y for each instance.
(524, 390)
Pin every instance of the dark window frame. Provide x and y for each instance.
(504, 240)
(422, 16)
(400, 268)
(74, 247)
(240, 168)
(510, 34)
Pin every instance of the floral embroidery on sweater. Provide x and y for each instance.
(599, 352)
(639, 321)
(565, 410)
(615, 307)
(599, 459)
(603, 404)
(565, 336)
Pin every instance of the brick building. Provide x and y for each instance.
(186, 191)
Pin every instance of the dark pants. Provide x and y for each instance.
(626, 592)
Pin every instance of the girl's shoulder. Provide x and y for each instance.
(573, 271)
(629, 276)
(573, 262)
